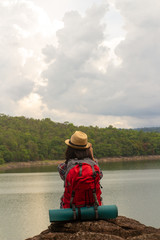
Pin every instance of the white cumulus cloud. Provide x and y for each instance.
(82, 61)
(83, 67)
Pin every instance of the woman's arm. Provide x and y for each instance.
(62, 170)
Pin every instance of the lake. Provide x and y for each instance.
(26, 197)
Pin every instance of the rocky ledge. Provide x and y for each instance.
(115, 229)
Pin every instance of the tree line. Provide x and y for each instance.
(28, 139)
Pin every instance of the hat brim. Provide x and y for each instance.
(76, 146)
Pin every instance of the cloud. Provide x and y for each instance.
(22, 36)
(85, 74)
(139, 71)
(83, 79)
(78, 60)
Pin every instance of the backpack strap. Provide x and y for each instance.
(96, 211)
(72, 197)
(74, 212)
(96, 203)
(80, 169)
(73, 205)
(95, 197)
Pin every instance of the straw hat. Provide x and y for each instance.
(78, 140)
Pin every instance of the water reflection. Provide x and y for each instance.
(144, 164)
(135, 192)
(31, 169)
(148, 164)
(25, 198)
(24, 203)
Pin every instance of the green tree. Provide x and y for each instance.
(1, 159)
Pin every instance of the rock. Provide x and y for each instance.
(115, 229)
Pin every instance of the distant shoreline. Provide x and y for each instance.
(17, 165)
(129, 159)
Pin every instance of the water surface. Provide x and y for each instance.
(25, 198)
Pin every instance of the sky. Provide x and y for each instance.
(92, 62)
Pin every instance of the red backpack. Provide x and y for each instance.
(82, 184)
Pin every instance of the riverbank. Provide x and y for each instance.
(17, 165)
(129, 159)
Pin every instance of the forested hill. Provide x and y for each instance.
(24, 139)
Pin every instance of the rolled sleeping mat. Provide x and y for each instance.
(85, 213)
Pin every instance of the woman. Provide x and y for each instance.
(81, 173)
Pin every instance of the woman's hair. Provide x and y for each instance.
(72, 153)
